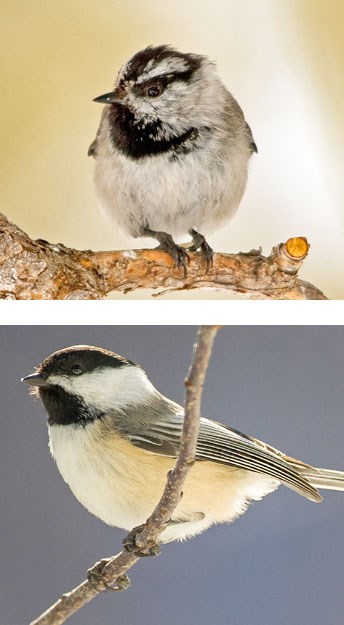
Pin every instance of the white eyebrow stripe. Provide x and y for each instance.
(166, 66)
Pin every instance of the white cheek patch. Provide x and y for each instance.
(166, 66)
(108, 388)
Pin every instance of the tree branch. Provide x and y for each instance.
(148, 534)
(41, 270)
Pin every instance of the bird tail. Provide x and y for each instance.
(323, 478)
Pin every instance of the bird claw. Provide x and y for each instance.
(200, 244)
(178, 253)
(129, 543)
(167, 244)
(98, 583)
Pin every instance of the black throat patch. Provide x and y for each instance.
(66, 409)
(136, 140)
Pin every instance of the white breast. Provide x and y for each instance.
(98, 482)
(201, 190)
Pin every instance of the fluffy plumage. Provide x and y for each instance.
(114, 438)
(172, 148)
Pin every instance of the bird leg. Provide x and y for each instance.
(166, 243)
(199, 243)
(129, 543)
(97, 582)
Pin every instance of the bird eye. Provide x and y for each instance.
(154, 91)
(77, 369)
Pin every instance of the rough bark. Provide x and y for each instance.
(40, 270)
(147, 535)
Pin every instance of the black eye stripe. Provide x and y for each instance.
(183, 76)
(162, 81)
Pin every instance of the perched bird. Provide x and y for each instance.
(171, 151)
(114, 438)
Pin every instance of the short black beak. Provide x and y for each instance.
(108, 98)
(35, 379)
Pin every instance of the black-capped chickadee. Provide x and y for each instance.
(114, 438)
(171, 151)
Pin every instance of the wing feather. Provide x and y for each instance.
(217, 443)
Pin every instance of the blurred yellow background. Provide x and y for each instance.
(282, 59)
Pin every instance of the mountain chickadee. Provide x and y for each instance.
(171, 151)
(114, 438)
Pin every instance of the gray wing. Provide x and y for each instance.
(217, 443)
(92, 150)
(236, 122)
(251, 139)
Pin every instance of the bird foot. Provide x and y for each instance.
(200, 244)
(129, 543)
(166, 244)
(97, 582)
(178, 253)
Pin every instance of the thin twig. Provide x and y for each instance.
(148, 534)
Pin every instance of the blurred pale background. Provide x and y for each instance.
(282, 59)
